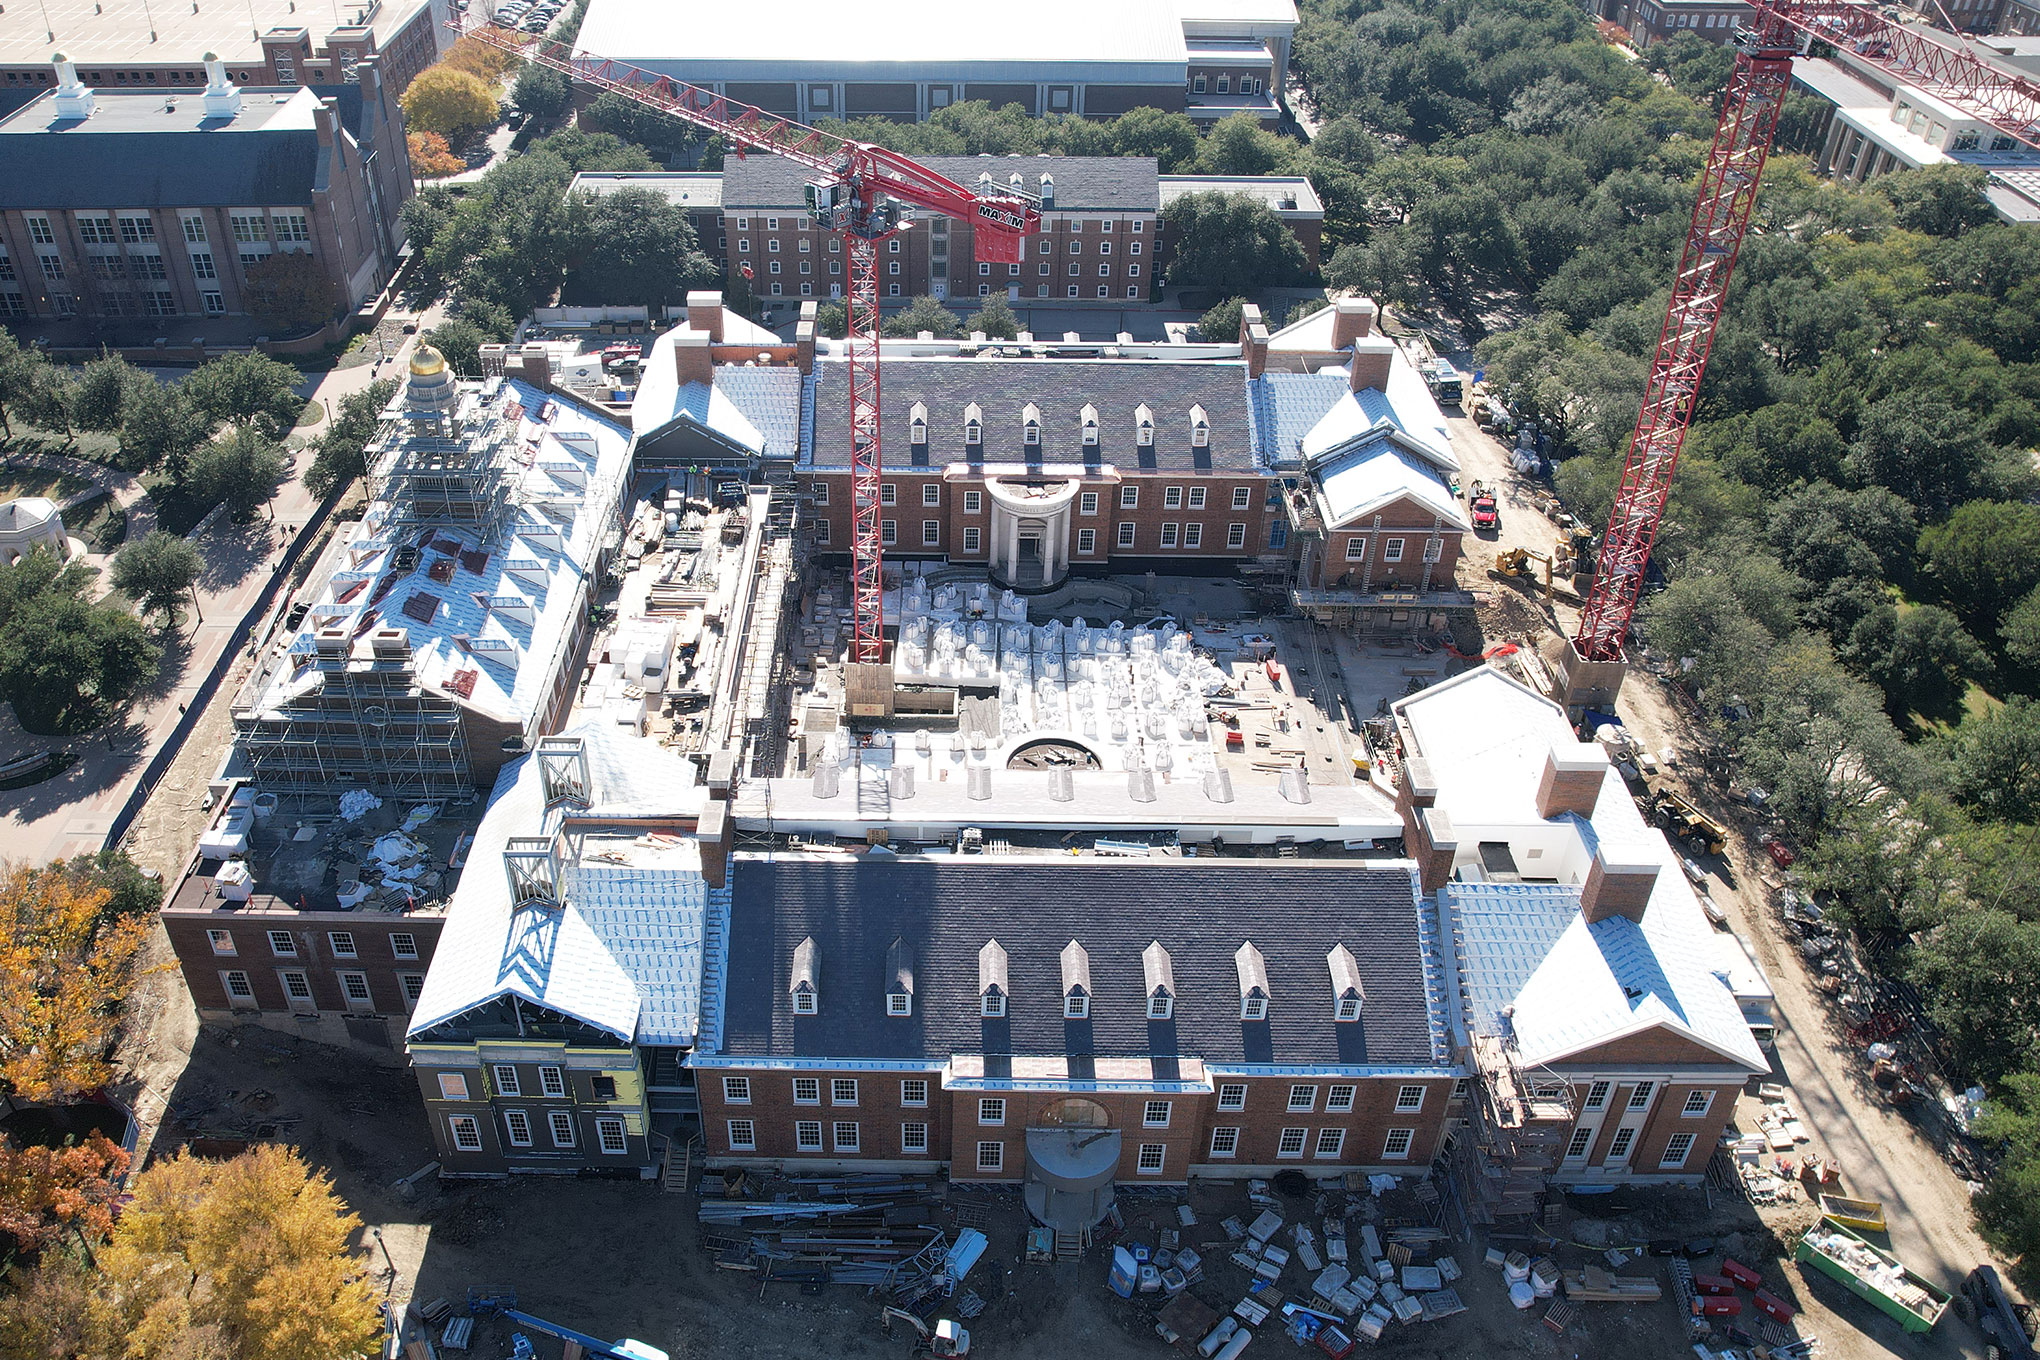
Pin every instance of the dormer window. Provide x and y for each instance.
(805, 982)
(973, 425)
(1076, 981)
(1090, 418)
(918, 425)
(1144, 426)
(1200, 428)
(1347, 992)
(1253, 976)
(899, 973)
(1030, 425)
(1159, 974)
(992, 980)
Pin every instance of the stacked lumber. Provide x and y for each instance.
(1595, 1284)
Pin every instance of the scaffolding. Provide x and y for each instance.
(1520, 1120)
(443, 472)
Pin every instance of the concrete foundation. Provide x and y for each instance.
(1586, 684)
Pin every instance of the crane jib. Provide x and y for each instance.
(1004, 217)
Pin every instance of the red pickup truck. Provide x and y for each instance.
(1485, 515)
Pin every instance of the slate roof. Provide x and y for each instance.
(1201, 911)
(1061, 388)
(1129, 184)
(134, 153)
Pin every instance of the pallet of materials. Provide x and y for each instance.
(1596, 1285)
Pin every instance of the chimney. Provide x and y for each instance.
(692, 361)
(74, 97)
(712, 832)
(1253, 340)
(705, 314)
(532, 366)
(222, 97)
(1352, 319)
(322, 121)
(804, 338)
(1620, 880)
(1572, 779)
(1373, 357)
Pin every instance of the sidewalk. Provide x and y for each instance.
(73, 813)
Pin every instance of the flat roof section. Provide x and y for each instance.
(697, 189)
(820, 39)
(106, 32)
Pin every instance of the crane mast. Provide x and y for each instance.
(1721, 217)
(863, 193)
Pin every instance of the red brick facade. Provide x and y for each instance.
(320, 962)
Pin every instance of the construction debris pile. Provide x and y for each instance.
(885, 1233)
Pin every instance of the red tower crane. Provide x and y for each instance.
(1728, 190)
(864, 194)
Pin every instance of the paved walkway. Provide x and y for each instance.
(128, 493)
(72, 813)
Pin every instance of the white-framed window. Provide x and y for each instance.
(773, 267)
(991, 1157)
(1639, 1097)
(914, 1092)
(1133, 248)
(506, 1080)
(736, 1090)
(290, 227)
(1254, 1008)
(931, 493)
(1409, 1098)
(743, 245)
(283, 944)
(820, 492)
(1225, 1141)
(843, 1091)
(821, 536)
(404, 945)
(1391, 550)
(1170, 532)
(1242, 497)
(215, 302)
(1339, 1099)
(39, 230)
(1172, 498)
(743, 1135)
(914, 1137)
(1398, 1144)
(891, 289)
(1193, 535)
(517, 1124)
(1302, 1097)
(1087, 540)
(931, 537)
(1154, 1114)
(1597, 1096)
(609, 1137)
(1161, 1007)
(807, 1090)
(354, 986)
(772, 224)
(1104, 290)
(1197, 497)
(970, 539)
(552, 1082)
(973, 502)
(1072, 289)
(1330, 1142)
(1582, 1139)
(342, 942)
(236, 983)
(992, 1004)
(888, 532)
(1232, 1095)
(560, 1123)
(1153, 1157)
(1698, 1103)
(1356, 548)
(1236, 537)
(194, 228)
(222, 942)
(249, 228)
(467, 1132)
(296, 985)
(1677, 1148)
(891, 266)
(1434, 550)
(1618, 1151)
(992, 1110)
(413, 987)
(1104, 248)
(1087, 502)
(1291, 1142)
(807, 1135)
(1129, 497)
(453, 1086)
(1126, 534)
(1076, 1006)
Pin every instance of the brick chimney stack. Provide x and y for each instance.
(1573, 775)
(692, 361)
(1373, 358)
(1352, 319)
(804, 337)
(705, 314)
(1621, 879)
(1253, 340)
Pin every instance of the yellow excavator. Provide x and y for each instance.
(1517, 562)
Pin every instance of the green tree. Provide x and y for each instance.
(159, 429)
(1702, 617)
(1171, 138)
(1232, 243)
(541, 92)
(833, 320)
(1940, 200)
(449, 102)
(1922, 658)
(1995, 760)
(460, 341)
(66, 662)
(248, 390)
(1825, 533)
(1976, 968)
(638, 248)
(2021, 632)
(340, 458)
(156, 572)
(994, 318)
(290, 291)
(243, 470)
(1220, 325)
(100, 397)
(46, 402)
(1985, 558)
(1238, 145)
(17, 376)
(2008, 1210)
(1921, 446)
(922, 314)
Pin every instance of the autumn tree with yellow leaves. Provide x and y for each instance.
(245, 1259)
(66, 964)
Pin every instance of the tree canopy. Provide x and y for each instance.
(66, 661)
(242, 469)
(1232, 243)
(339, 459)
(637, 246)
(66, 964)
(448, 101)
(247, 389)
(156, 571)
(922, 314)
